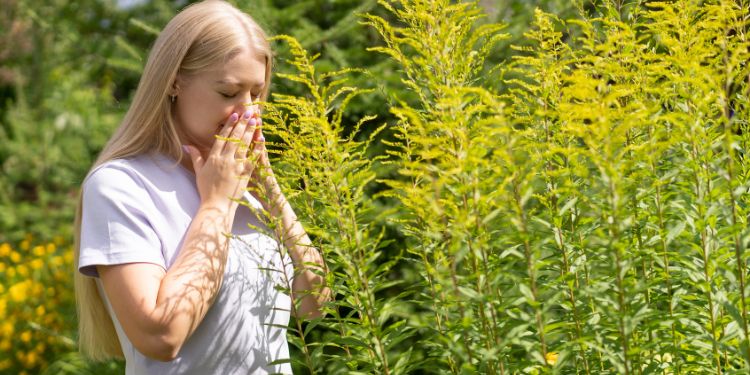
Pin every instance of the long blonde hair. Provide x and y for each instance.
(201, 36)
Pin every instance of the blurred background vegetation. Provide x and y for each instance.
(67, 72)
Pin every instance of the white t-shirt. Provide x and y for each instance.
(138, 210)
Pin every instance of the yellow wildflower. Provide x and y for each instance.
(56, 261)
(2, 267)
(23, 270)
(37, 264)
(7, 329)
(4, 250)
(38, 251)
(3, 307)
(26, 336)
(58, 240)
(68, 256)
(37, 289)
(11, 272)
(51, 248)
(6, 363)
(19, 291)
(25, 244)
(551, 358)
(31, 360)
(15, 257)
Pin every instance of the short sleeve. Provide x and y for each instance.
(114, 224)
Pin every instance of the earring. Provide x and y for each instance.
(172, 97)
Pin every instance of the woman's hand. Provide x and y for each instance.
(222, 174)
(262, 176)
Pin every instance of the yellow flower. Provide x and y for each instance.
(38, 251)
(31, 360)
(58, 240)
(18, 292)
(3, 307)
(56, 261)
(4, 250)
(11, 272)
(26, 336)
(37, 264)
(51, 248)
(2, 267)
(40, 310)
(6, 363)
(551, 358)
(7, 329)
(23, 270)
(15, 257)
(25, 244)
(68, 257)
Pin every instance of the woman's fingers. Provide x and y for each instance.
(230, 148)
(224, 133)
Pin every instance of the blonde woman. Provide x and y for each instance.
(160, 281)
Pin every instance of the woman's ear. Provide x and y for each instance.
(174, 89)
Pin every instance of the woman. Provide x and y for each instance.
(161, 282)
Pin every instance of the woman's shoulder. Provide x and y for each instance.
(123, 173)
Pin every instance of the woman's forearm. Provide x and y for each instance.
(191, 284)
(309, 284)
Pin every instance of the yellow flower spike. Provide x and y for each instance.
(5, 250)
(551, 358)
(15, 257)
(25, 336)
(38, 251)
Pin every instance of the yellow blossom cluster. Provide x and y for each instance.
(37, 305)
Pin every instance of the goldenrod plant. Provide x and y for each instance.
(586, 216)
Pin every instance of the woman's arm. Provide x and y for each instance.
(159, 309)
(309, 283)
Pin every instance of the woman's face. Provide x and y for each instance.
(205, 101)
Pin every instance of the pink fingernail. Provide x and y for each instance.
(233, 117)
(247, 114)
(262, 138)
(252, 122)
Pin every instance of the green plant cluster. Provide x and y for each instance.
(587, 215)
